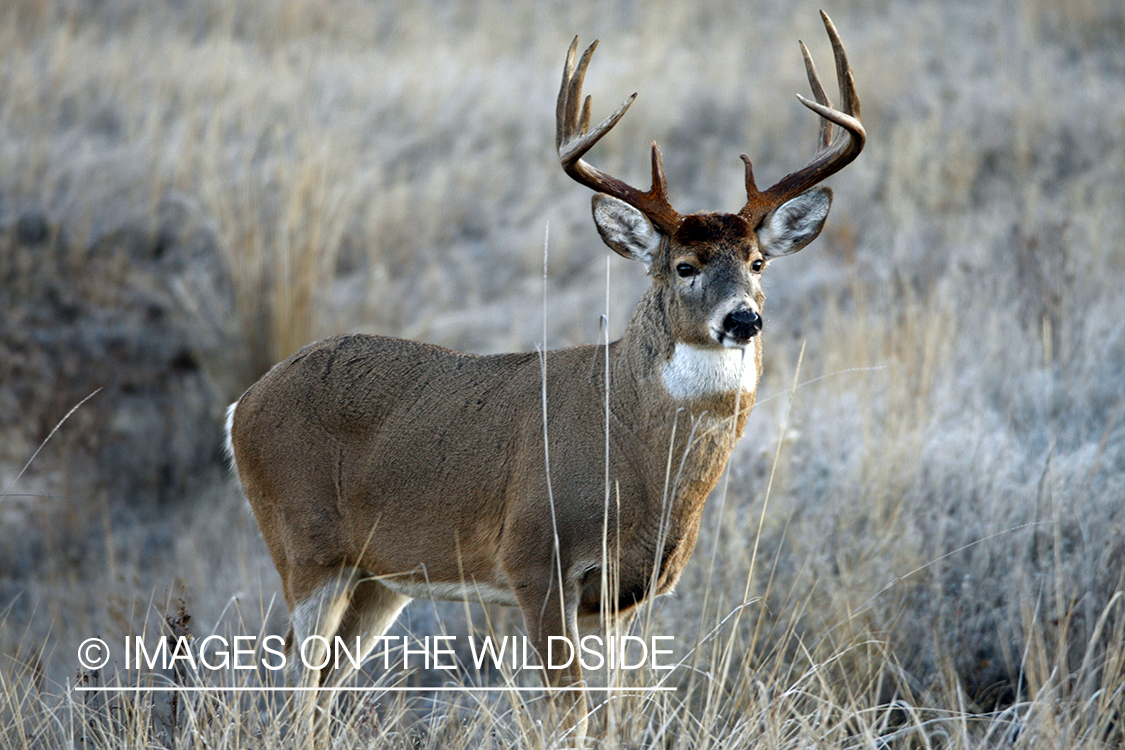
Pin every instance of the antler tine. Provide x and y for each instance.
(849, 100)
(833, 154)
(584, 120)
(564, 110)
(573, 138)
(824, 136)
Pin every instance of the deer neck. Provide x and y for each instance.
(671, 396)
(663, 376)
(683, 445)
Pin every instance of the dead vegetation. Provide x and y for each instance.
(189, 191)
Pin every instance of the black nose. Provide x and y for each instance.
(742, 324)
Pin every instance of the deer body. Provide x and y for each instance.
(468, 506)
(380, 469)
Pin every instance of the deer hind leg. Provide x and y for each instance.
(313, 623)
(371, 611)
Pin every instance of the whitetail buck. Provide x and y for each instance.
(380, 469)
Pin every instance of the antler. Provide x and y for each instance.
(573, 141)
(831, 157)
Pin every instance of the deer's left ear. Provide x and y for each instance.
(795, 223)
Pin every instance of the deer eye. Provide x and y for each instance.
(686, 270)
(757, 265)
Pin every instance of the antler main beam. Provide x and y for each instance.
(573, 138)
(832, 155)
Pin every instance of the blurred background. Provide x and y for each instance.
(190, 190)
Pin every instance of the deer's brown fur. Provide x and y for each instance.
(381, 469)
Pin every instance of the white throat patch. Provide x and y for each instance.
(696, 372)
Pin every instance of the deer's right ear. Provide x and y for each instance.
(625, 229)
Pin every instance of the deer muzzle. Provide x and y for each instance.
(741, 325)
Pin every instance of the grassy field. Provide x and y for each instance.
(920, 542)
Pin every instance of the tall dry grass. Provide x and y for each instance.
(933, 490)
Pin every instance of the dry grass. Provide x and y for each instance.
(940, 553)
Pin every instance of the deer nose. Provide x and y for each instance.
(742, 324)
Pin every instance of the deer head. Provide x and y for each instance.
(707, 266)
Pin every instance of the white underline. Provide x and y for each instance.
(455, 689)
